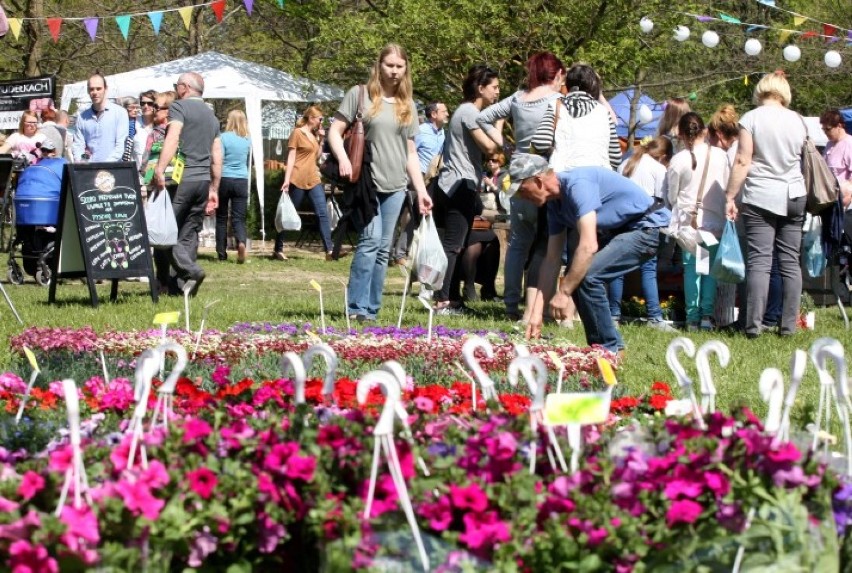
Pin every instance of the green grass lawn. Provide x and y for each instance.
(280, 291)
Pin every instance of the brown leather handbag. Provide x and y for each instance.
(353, 143)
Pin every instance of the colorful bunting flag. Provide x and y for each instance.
(15, 26)
(123, 22)
(799, 20)
(91, 25)
(809, 34)
(783, 36)
(156, 19)
(704, 18)
(54, 25)
(281, 4)
(754, 27)
(828, 30)
(249, 4)
(218, 9)
(745, 80)
(186, 14)
(729, 19)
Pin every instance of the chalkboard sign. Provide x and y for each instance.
(102, 232)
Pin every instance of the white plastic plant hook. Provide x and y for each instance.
(705, 375)
(818, 355)
(431, 311)
(771, 387)
(75, 475)
(486, 384)
(798, 365)
(823, 350)
(383, 435)
(395, 368)
(292, 362)
(687, 347)
(204, 314)
(147, 366)
(330, 356)
(166, 393)
(534, 372)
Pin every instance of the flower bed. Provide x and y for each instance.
(245, 480)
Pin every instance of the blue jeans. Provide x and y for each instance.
(523, 218)
(649, 291)
(370, 263)
(624, 253)
(699, 291)
(317, 197)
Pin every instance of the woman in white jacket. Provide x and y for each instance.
(696, 180)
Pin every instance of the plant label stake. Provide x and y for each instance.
(798, 364)
(317, 287)
(398, 372)
(406, 273)
(486, 384)
(702, 361)
(383, 436)
(104, 367)
(330, 356)
(292, 361)
(204, 314)
(33, 375)
(557, 361)
(771, 387)
(534, 371)
(166, 393)
(346, 306)
(431, 310)
(164, 319)
(146, 367)
(12, 306)
(75, 475)
(472, 382)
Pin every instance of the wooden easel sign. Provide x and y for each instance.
(102, 233)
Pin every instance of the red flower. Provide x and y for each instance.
(202, 481)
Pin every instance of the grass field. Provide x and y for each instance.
(279, 291)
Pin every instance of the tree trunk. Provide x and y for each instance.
(36, 37)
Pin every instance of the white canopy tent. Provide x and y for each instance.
(225, 77)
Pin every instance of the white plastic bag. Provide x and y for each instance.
(815, 261)
(160, 220)
(286, 217)
(333, 213)
(431, 261)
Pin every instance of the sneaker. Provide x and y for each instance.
(241, 253)
(279, 256)
(451, 310)
(661, 325)
(707, 324)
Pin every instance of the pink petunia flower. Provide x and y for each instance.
(31, 484)
(202, 481)
(195, 429)
(271, 533)
(26, 558)
(683, 488)
(471, 497)
(139, 500)
(301, 467)
(484, 530)
(683, 511)
(7, 505)
(717, 482)
(202, 545)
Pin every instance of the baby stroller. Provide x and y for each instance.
(36, 213)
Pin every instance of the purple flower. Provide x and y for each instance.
(202, 545)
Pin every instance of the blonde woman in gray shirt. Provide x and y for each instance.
(768, 174)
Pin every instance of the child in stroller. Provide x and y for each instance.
(36, 215)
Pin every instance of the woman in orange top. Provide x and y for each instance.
(303, 177)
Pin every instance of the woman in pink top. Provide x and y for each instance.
(838, 152)
(25, 141)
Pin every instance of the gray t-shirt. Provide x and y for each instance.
(526, 116)
(200, 129)
(462, 156)
(387, 138)
(775, 174)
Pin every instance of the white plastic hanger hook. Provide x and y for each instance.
(798, 364)
(292, 362)
(390, 388)
(705, 375)
(684, 381)
(469, 354)
(771, 387)
(171, 381)
(534, 371)
(330, 356)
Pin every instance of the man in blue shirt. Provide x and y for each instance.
(102, 129)
(619, 229)
(429, 142)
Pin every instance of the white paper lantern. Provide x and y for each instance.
(681, 34)
(645, 115)
(710, 39)
(792, 53)
(833, 59)
(753, 47)
(646, 24)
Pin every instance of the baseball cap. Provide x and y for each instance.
(47, 145)
(523, 166)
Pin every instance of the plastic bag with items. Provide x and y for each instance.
(431, 261)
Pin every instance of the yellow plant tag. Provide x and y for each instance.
(313, 337)
(32, 359)
(576, 408)
(166, 317)
(315, 285)
(606, 371)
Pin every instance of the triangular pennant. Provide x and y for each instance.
(767, 2)
(783, 36)
(704, 18)
(123, 22)
(15, 26)
(832, 40)
(799, 20)
(186, 14)
(754, 27)
(809, 34)
(729, 19)
(54, 25)
(218, 9)
(249, 4)
(156, 19)
(91, 25)
(745, 80)
(281, 4)
(828, 30)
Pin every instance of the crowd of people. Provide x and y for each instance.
(574, 196)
